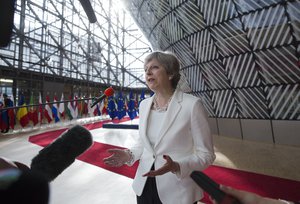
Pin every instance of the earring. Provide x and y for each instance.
(170, 77)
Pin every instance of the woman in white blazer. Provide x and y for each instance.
(174, 140)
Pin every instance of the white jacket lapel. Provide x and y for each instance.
(144, 121)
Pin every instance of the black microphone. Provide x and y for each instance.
(7, 11)
(57, 156)
(87, 7)
(213, 188)
(108, 92)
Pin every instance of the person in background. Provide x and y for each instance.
(7, 102)
(174, 138)
(251, 198)
(3, 124)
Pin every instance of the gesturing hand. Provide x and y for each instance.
(169, 166)
(117, 159)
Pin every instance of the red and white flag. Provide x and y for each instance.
(48, 111)
(40, 116)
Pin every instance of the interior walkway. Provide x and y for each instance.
(83, 183)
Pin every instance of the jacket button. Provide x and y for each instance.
(153, 156)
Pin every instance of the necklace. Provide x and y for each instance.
(156, 107)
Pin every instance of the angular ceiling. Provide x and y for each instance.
(240, 56)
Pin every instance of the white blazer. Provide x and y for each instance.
(185, 136)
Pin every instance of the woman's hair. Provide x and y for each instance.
(169, 61)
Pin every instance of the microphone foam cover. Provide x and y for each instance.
(57, 156)
(109, 92)
(7, 11)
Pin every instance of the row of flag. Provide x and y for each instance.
(55, 111)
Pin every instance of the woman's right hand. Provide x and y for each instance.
(117, 158)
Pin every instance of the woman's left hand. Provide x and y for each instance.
(169, 166)
(117, 158)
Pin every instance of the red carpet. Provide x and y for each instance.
(94, 154)
(46, 138)
(264, 185)
(98, 151)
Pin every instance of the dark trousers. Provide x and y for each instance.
(150, 194)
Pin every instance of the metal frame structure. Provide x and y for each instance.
(54, 38)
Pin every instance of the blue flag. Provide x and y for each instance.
(55, 110)
(142, 97)
(131, 107)
(111, 108)
(121, 106)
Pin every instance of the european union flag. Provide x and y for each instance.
(131, 107)
(121, 106)
(111, 108)
(142, 97)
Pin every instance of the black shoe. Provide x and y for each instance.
(6, 131)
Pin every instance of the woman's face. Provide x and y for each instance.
(156, 76)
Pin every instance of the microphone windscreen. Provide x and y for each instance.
(7, 11)
(109, 92)
(57, 156)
